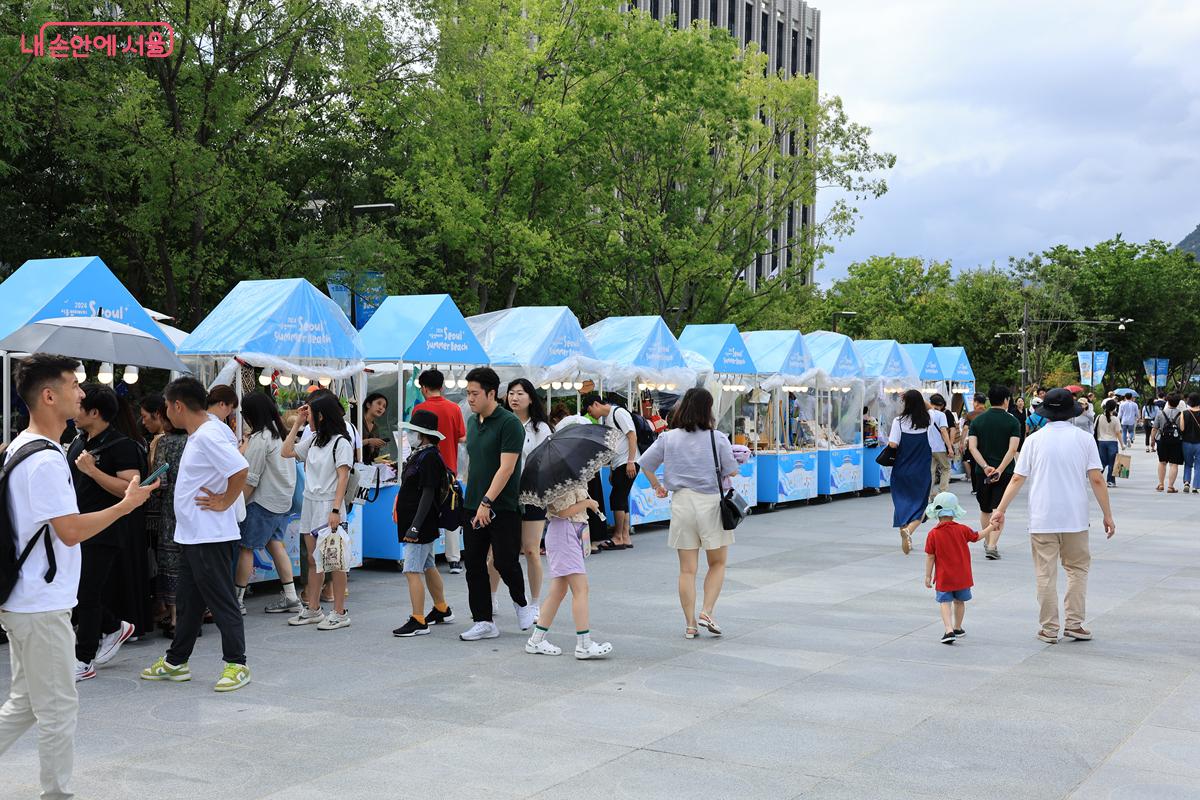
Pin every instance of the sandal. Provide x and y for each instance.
(712, 626)
(1158, 488)
(690, 633)
(1172, 490)
(608, 544)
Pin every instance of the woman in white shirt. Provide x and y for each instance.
(270, 485)
(328, 457)
(914, 433)
(523, 400)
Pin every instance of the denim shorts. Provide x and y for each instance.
(418, 557)
(958, 594)
(261, 526)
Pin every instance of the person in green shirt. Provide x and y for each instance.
(994, 438)
(495, 438)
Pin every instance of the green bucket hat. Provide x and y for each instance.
(945, 505)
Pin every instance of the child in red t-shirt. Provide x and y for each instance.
(946, 549)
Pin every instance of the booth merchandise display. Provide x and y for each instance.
(888, 372)
(839, 412)
(788, 433)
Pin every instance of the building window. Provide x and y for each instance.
(695, 10)
(764, 32)
(675, 13)
(779, 51)
(775, 250)
(732, 21)
(795, 51)
(655, 9)
(808, 55)
(712, 12)
(749, 23)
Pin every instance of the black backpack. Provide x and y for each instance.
(1170, 428)
(645, 432)
(450, 500)
(10, 562)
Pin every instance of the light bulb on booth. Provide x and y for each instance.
(264, 378)
(285, 379)
(105, 375)
(462, 383)
(556, 384)
(577, 386)
(545, 387)
(670, 387)
(130, 375)
(80, 373)
(325, 380)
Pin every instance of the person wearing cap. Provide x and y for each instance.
(948, 561)
(422, 479)
(1060, 462)
(1035, 421)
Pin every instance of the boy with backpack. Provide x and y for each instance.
(428, 495)
(40, 532)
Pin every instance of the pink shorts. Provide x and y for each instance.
(564, 547)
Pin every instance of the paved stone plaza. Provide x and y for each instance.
(829, 683)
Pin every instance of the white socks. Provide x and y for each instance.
(289, 592)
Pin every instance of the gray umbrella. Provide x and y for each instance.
(93, 339)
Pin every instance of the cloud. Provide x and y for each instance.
(1018, 125)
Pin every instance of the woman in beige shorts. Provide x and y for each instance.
(689, 453)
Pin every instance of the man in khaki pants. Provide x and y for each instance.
(942, 446)
(1060, 461)
(36, 611)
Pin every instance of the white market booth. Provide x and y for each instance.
(405, 336)
(888, 372)
(839, 413)
(642, 356)
(786, 444)
(298, 337)
(732, 382)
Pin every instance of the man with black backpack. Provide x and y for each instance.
(624, 465)
(40, 532)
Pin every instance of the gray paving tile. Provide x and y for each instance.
(1158, 749)
(1119, 783)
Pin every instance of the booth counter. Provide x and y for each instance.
(784, 477)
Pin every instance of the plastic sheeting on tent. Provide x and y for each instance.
(956, 368)
(639, 349)
(834, 354)
(541, 343)
(281, 324)
(925, 361)
(421, 329)
(783, 356)
(721, 346)
(46, 288)
(886, 361)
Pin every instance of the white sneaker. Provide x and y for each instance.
(308, 617)
(110, 643)
(456, 568)
(84, 672)
(334, 621)
(480, 630)
(526, 615)
(593, 650)
(542, 648)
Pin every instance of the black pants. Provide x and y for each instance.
(597, 527)
(93, 616)
(206, 582)
(503, 536)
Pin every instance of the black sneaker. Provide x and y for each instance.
(959, 633)
(948, 637)
(991, 553)
(435, 617)
(412, 628)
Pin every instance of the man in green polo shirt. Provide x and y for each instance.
(494, 440)
(995, 436)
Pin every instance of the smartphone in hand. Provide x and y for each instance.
(158, 473)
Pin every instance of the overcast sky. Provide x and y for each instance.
(1019, 124)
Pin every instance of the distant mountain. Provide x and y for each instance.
(1191, 243)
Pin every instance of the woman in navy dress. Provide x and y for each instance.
(911, 476)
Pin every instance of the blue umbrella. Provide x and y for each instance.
(1120, 392)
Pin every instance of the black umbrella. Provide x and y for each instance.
(564, 463)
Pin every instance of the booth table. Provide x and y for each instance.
(786, 476)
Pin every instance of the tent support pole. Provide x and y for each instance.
(238, 388)
(400, 393)
(359, 382)
(7, 397)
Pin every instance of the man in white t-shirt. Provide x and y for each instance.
(624, 467)
(208, 481)
(47, 525)
(1059, 461)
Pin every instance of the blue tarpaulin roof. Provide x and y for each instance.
(639, 347)
(47, 288)
(954, 364)
(887, 360)
(834, 354)
(538, 336)
(286, 318)
(423, 328)
(779, 352)
(925, 360)
(721, 345)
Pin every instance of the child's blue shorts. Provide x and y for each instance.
(960, 594)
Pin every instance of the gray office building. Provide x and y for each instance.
(789, 32)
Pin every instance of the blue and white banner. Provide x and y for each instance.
(1092, 366)
(364, 299)
(1156, 370)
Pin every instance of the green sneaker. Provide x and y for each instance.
(233, 677)
(162, 671)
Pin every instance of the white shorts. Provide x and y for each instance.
(314, 514)
(696, 521)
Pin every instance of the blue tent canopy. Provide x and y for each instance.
(539, 336)
(639, 348)
(780, 353)
(721, 345)
(834, 354)
(954, 364)
(423, 328)
(287, 319)
(47, 288)
(925, 360)
(886, 360)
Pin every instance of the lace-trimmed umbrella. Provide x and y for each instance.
(563, 464)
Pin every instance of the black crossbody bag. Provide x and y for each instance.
(734, 507)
